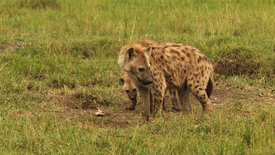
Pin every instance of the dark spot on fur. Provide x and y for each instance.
(200, 88)
(188, 55)
(166, 46)
(196, 86)
(198, 81)
(199, 59)
(175, 45)
(192, 49)
(182, 58)
(190, 85)
(161, 57)
(175, 52)
(197, 91)
(184, 71)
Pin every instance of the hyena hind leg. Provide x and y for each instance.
(175, 99)
(201, 95)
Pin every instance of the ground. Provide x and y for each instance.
(116, 116)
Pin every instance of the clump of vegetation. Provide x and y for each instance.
(232, 63)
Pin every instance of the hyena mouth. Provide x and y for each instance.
(133, 99)
(145, 82)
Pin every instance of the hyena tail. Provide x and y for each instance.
(210, 86)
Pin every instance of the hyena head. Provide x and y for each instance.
(129, 87)
(137, 65)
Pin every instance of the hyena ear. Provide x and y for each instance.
(130, 53)
(148, 50)
(121, 81)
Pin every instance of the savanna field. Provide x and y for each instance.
(58, 66)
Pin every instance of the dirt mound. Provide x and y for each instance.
(78, 101)
(4, 46)
(91, 102)
(235, 64)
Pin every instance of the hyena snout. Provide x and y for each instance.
(148, 80)
(132, 96)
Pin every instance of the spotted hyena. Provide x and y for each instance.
(155, 67)
(131, 91)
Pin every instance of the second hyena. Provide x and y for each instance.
(130, 89)
(155, 67)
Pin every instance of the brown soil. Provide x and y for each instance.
(4, 46)
(234, 64)
(78, 101)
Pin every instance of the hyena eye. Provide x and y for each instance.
(127, 91)
(135, 89)
(141, 69)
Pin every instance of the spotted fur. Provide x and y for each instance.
(155, 67)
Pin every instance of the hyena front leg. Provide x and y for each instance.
(157, 100)
(158, 89)
(145, 96)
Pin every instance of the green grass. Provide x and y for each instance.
(70, 47)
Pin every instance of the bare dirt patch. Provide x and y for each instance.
(78, 101)
(80, 109)
(4, 46)
(116, 114)
(232, 63)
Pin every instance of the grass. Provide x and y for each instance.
(66, 54)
